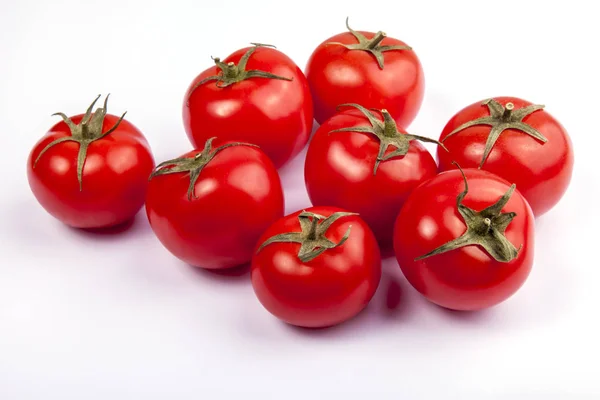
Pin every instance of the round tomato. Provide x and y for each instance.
(210, 207)
(317, 267)
(91, 170)
(465, 243)
(369, 69)
(256, 95)
(362, 162)
(516, 140)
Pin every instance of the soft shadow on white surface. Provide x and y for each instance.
(26, 218)
(233, 276)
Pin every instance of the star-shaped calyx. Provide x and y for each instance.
(372, 45)
(87, 131)
(500, 119)
(193, 165)
(484, 228)
(386, 132)
(312, 238)
(231, 73)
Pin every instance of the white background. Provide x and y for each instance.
(89, 316)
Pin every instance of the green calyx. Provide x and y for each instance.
(372, 45)
(484, 228)
(312, 238)
(386, 132)
(231, 73)
(87, 131)
(500, 119)
(193, 165)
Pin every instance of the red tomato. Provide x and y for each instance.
(369, 69)
(316, 268)
(210, 207)
(465, 250)
(362, 162)
(256, 95)
(91, 171)
(516, 140)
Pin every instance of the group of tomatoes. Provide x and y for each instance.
(462, 233)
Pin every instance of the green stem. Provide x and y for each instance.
(231, 71)
(378, 38)
(312, 234)
(508, 111)
(390, 128)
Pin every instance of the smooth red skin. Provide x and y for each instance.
(337, 75)
(115, 176)
(276, 115)
(330, 289)
(339, 172)
(238, 196)
(467, 278)
(542, 172)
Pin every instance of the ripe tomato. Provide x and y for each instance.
(369, 69)
(516, 140)
(465, 243)
(316, 268)
(358, 162)
(256, 95)
(91, 170)
(209, 207)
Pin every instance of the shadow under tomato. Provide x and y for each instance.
(111, 230)
(392, 296)
(393, 300)
(138, 225)
(236, 274)
(353, 325)
(476, 317)
(388, 305)
(387, 251)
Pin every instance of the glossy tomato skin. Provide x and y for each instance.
(339, 172)
(238, 196)
(276, 115)
(541, 171)
(337, 75)
(330, 289)
(466, 278)
(114, 180)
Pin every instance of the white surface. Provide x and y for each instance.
(85, 316)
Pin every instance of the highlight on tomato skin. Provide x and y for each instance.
(255, 95)
(209, 207)
(368, 68)
(518, 140)
(317, 267)
(465, 249)
(91, 170)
